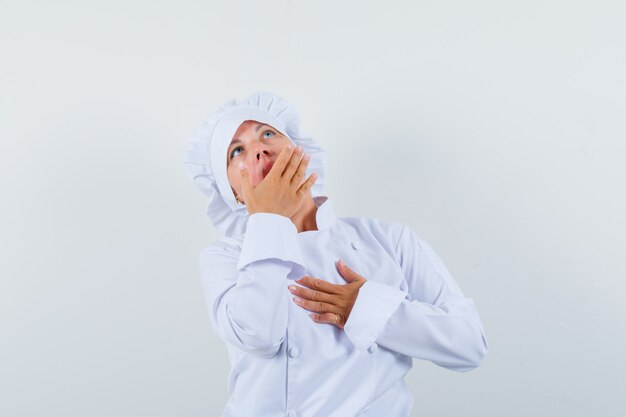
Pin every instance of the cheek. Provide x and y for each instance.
(234, 178)
(285, 142)
(280, 143)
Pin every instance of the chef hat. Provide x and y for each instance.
(206, 154)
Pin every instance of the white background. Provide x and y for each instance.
(496, 130)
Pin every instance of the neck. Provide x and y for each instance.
(305, 217)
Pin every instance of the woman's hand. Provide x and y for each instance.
(280, 192)
(330, 303)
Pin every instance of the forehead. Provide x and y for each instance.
(245, 126)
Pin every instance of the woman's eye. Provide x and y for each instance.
(266, 132)
(232, 154)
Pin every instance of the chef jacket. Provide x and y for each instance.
(285, 364)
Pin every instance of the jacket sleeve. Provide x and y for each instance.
(433, 321)
(245, 291)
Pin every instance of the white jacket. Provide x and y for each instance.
(285, 364)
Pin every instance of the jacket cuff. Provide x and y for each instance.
(270, 236)
(374, 306)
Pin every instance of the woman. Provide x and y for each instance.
(308, 335)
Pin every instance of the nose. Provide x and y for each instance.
(258, 149)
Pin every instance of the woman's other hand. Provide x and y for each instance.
(281, 191)
(330, 303)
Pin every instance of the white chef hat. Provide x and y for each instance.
(206, 155)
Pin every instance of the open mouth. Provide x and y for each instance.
(267, 168)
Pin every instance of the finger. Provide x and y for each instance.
(281, 162)
(309, 294)
(315, 306)
(328, 318)
(245, 180)
(347, 273)
(299, 174)
(318, 285)
(306, 185)
(293, 163)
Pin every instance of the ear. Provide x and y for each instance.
(237, 198)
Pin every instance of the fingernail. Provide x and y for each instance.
(292, 288)
(306, 156)
(296, 299)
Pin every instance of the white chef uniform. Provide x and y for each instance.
(285, 364)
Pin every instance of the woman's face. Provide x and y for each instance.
(257, 145)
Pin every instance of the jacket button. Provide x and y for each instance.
(355, 245)
(294, 352)
(373, 348)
